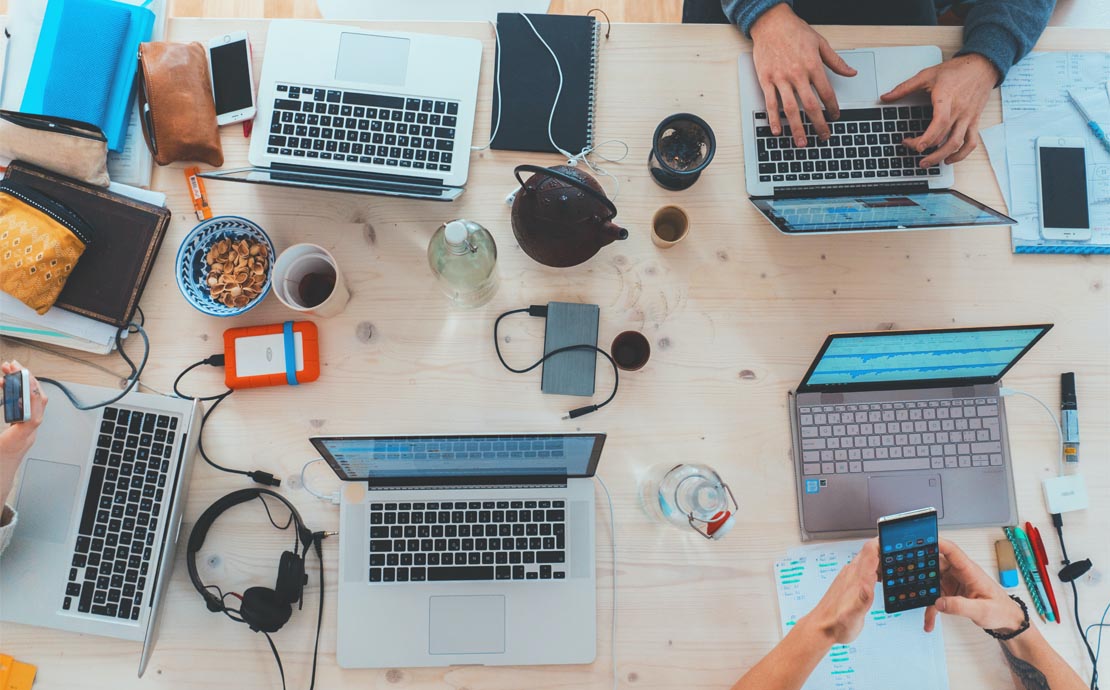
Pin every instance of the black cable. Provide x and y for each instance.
(258, 476)
(132, 378)
(281, 669)
(1058, 521)
(317, 538)
(541, 310)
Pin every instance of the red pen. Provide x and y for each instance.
(1042, 565)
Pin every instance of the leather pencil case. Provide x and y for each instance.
(175, 100)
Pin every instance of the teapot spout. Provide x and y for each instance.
(611, 232)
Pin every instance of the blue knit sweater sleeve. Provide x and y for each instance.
(743, 13)
(1004, 31)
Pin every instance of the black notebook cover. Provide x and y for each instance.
(529, 80)
(109, 278)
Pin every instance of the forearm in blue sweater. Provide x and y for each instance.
(1002, 31)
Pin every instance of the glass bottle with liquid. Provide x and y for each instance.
(463, 257)
(691, 497)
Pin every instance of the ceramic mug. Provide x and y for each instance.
(307, 279)
(669, 226)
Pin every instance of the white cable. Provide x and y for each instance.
(558, 91)
(500, 94)
(1059, 430)
(613, 542)
(334, 498)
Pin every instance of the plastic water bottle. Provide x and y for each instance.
(690, 496)
(463, 257)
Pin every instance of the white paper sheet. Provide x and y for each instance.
(1011, 148)
(890, 646)
(1041, 80)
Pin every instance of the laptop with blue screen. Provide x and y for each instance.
(891, 421)
(465, 549)
(860, 179)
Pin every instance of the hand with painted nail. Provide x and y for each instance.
(959, 89)
(790, 59)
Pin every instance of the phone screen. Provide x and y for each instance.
(231, 78)
(1063, 187)
(13, 397)
(909, 561)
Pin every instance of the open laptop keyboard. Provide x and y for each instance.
(359, 127)
(917, 435)
(468, 540)
(119, 521)
(866, 143)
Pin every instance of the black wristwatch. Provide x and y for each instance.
(1021, 628)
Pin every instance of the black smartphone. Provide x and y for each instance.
(17, 397)
(909, 559)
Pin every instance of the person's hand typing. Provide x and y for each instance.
(841, 612)
(970, 592)
(790, 59)
(959, 89)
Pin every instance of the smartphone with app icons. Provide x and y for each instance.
(909, 560)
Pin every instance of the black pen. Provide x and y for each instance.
(1069, 415)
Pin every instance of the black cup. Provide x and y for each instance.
(631, 350)
(682, 147)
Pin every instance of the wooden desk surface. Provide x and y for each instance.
(735, 314)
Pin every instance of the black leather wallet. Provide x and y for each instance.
(126, 234)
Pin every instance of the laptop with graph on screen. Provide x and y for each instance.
(890, 421)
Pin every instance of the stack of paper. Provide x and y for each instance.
(60, 327)
(890, 646)
(1035, 104)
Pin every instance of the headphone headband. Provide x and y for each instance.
(204, 523)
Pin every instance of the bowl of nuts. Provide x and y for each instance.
(224, 266)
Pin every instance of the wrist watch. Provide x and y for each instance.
(1020, 629)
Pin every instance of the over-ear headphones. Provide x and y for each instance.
(263, 609)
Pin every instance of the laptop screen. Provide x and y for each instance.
(917, 210)
(909, 359)
(435, 459)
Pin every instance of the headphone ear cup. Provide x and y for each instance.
(290, 578)
(263, 611)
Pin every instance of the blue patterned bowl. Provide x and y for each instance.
(192, 269)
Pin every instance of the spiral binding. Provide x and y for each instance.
(592, 88)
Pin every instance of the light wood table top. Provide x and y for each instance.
(734, 314)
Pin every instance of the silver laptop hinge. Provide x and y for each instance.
(463, 487)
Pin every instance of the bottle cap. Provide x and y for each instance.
(455, 233)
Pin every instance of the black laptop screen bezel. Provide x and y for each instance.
(1000, 218)
(482, 480)
(804, 387)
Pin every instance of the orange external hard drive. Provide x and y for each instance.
(276, 355)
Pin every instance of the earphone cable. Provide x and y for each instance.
(277, 658)
(132, 379)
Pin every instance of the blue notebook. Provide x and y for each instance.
(85, 63)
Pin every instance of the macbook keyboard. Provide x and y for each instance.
(366, 128)
(866, 143)
(917, 435)
(468, 540)
(119, 521)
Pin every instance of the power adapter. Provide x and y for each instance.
(1065, 494)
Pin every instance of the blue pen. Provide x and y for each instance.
(1099, 133)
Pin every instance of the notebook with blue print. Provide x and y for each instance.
(85, 62)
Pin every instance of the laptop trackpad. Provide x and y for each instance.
(862, 88)
(466, 625)
(897, 494)
(46, 499)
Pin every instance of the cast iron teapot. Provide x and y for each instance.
(561, 216)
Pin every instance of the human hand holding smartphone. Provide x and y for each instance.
(909, 566)
(17, 397)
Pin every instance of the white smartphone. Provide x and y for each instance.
(1062, 188)
(229, 65)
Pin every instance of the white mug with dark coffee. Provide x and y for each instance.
(307, 279)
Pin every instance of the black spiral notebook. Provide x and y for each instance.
(529, 81)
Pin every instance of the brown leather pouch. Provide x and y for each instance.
(175, 99)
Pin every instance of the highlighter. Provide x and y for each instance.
(1007, 563)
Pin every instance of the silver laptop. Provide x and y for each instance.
(466, 549)
(861, 179)
(377, 112)
(100, 502)
(891, 421)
